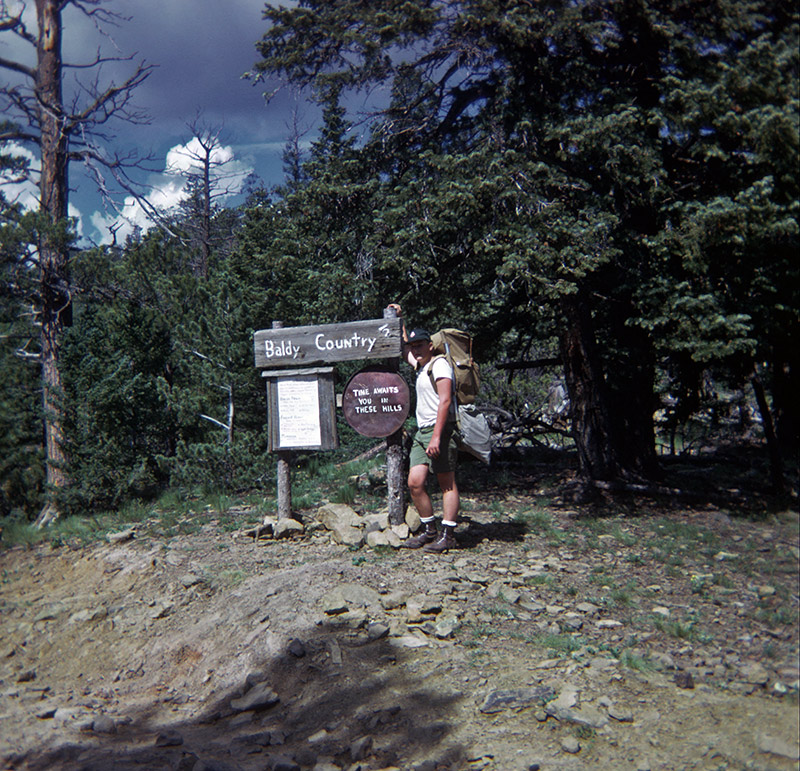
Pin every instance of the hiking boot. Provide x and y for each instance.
(447, 540)
(428, 535)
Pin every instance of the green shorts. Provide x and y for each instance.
(448, 455)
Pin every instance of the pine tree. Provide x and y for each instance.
(552, 159)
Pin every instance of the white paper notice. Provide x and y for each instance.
(298, 408)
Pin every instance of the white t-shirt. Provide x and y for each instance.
(427, 397)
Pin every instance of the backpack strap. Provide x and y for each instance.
(430, 369)
(454, 405)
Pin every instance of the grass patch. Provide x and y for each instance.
(636, 662)
(560, 643)
(683, 630)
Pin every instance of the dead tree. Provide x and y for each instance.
(63, 128)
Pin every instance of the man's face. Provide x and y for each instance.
(422, 351)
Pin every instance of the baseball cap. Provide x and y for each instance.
(419, 335)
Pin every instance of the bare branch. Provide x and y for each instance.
(215, 422)
(12, 23)
(112, 102)
(9, 64)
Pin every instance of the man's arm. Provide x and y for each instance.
(406, 351)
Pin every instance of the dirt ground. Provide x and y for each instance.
(665, 640)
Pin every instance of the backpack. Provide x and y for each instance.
(474, 433)
(456, 346)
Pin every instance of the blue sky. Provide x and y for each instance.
(201, 48)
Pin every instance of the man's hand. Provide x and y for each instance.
(433, 448)
(396, 307)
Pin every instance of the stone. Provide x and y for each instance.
(103, 724)
(260, 696)
(401, 531)
(571, 745)
(377, 631)
(361, 748)
(333, 514)
(607, 623)
(394, 599)
(684, 679)
(662, 660)
(772, 745)
(346, 535)
(393, 539)
(324, 764)
(121, 536)
(410, 641)
(297, 648)
(586, 715)
(286, 527)
(360, 596)
(334, 603)
(377, 538)
(412, 519)
(46, 712)
(257, 739)
(754, 673)
(566, 699)
(281, 763)
(374, 522)
(516, 699)
(446, 624)
(620, 714)
(502, 591)
(169, 739)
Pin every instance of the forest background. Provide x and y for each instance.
(604, 193)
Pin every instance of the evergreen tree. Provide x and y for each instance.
(558, 160)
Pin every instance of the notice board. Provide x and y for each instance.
(302, 409)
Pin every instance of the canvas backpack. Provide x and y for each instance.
(455, 346)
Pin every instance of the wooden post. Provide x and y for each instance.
(284, 476)
(394, 461)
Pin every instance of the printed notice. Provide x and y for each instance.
(298, 410)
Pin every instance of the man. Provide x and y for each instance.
(434, 447)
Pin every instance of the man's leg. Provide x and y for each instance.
(450, 505)
(450, 499)
(417, 486)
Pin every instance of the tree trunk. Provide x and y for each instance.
(630, 384)
(55, 301)
(785, 387)
(591, 428)
(775, 456)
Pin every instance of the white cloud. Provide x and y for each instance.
(18, 189)
(168, 189)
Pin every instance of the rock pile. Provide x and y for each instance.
(345, 526)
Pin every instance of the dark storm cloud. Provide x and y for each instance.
(199, 49)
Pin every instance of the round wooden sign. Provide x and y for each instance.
(376, 402)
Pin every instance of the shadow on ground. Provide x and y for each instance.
(336, 696)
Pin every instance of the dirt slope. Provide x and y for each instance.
(543, 642)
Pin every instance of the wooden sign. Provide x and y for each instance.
(375, 402)
(302, 410)
(303, 346)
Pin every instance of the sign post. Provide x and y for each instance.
(395, 482)
(300, 394)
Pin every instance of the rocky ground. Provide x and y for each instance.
(665, 640)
